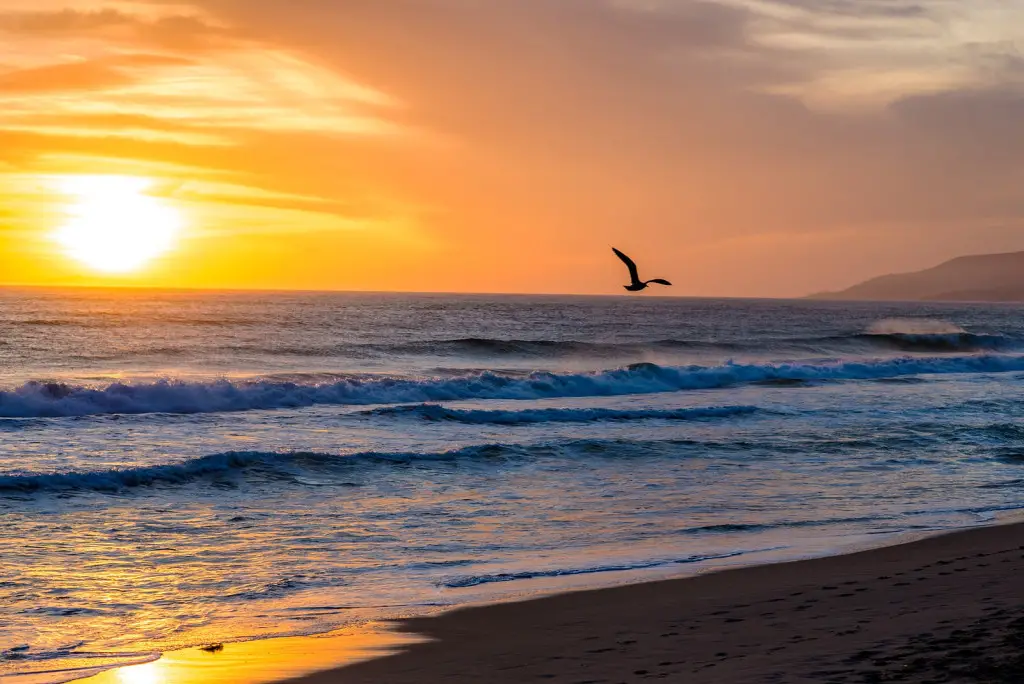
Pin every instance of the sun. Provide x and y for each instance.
(113, 226)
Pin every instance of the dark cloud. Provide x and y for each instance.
(860, 9)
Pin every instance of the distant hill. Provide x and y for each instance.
(981, 278)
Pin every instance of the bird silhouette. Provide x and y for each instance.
(636, 284)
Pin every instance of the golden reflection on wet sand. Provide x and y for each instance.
(262, 661)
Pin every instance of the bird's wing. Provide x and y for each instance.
(660, 281)
(634, 276)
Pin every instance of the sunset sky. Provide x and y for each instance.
(736, 147)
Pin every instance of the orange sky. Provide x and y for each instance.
(736, 147)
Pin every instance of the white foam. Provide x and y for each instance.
(35, 399)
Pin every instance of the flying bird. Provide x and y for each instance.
(636, 285)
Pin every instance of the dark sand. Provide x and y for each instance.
(945, 609)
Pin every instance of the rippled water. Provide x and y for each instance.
(177, 468)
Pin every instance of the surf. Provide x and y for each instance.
(52, 399)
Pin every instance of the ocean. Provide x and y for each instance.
(180, 468)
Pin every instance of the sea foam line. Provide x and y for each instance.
(465, 581)
(36, 399)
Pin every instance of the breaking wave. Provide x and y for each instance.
(37, 399)
(436, 412)
(932, 335)
(939, 342)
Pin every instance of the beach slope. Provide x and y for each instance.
(944, 609)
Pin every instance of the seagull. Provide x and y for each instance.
(636, 285)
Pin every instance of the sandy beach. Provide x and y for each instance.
(944, 609)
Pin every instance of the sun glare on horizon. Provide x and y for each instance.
(113, 226)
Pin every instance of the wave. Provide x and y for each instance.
(88, 664)
(760, 527)
(338, 470)
(493, 348)
(932, 335)
(344, 470)
(913, 340)
(467, 581)
(939, 342)
(514, 346)
(125, 478)
(286, 464)
(499, 347)
(436, 412)
(960, 341)
(277, 463)
(50, 399)
(946, 342)
(485, 347)
(505, 346)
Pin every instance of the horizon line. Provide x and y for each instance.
(242, 290)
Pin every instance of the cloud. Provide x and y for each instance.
(63, 21)
(174, 31)
(83, 75)
(74, 76)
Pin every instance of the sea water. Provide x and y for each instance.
(180, 468)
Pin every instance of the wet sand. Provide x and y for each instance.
(255, 662)
(945, 609)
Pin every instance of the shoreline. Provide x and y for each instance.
(259, 661)
(885, 611)
(943, 608)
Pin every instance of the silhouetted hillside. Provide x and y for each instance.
(987, 277)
